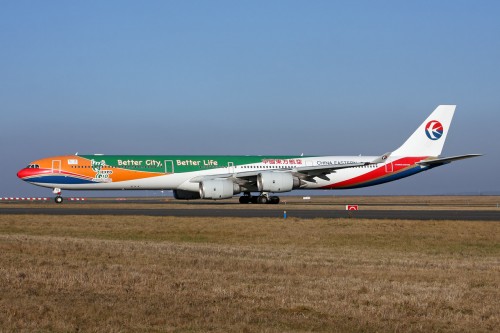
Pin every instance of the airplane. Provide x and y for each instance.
(219, 177)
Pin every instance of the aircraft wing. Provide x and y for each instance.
(309, 172)
(445, 160)
(302, 172)
(235, 176)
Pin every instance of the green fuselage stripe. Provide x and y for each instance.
(183, 163)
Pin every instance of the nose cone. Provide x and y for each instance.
(27, 173)
(23, 173)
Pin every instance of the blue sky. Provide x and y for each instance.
(249, 77)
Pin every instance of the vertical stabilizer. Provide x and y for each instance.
(429, 138)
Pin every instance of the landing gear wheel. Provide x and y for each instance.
(58, 199)
(263, 200)
(245, 199)
(274, 200)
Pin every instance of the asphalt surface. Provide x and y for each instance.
(464, 215)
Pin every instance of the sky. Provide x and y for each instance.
(250, 77)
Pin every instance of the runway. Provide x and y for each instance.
(464, 215)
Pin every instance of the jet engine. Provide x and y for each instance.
(218, 189)
(277, 182)
(186, 195)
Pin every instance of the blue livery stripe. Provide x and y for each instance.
(59, 180)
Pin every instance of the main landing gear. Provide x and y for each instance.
(264, 198)
(58, 199)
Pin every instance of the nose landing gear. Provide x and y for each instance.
(58, 199)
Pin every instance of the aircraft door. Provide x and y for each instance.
(389, 167)
(230, 167)
(56, 166)
(169, 166)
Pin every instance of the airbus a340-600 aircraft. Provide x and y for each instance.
(221, 177)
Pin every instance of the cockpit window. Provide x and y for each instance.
(33, 166)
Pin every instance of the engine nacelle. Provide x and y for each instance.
(186, 195)
(218, 189)
(277, 182)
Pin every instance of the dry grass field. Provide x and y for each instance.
(163, 274)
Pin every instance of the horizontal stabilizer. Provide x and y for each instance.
(445, 160)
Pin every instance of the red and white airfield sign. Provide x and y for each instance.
(351, 207)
